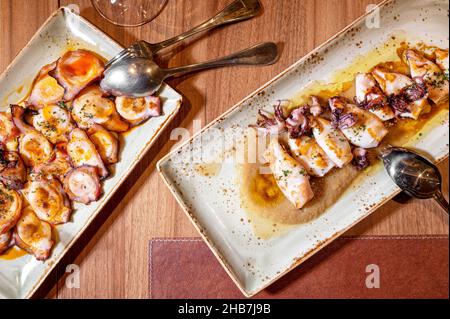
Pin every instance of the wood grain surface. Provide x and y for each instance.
(113, 254)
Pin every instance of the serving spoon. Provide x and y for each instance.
(141, 77)
(237, 11)
(414, 174)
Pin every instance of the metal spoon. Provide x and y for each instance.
(237, 11)
(140, 77)
(414, 174)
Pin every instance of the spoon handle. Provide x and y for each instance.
(439, 198)
(237, 11)
(261, 54)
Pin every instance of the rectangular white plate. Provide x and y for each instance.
(254, 264)
(66, 30)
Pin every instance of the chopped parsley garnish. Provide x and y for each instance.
(286, 173)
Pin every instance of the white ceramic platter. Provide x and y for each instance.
(64, 30)
(213, 202)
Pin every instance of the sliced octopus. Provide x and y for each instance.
(10, 208)
(54, 122)
(46, 89)
(75, 70)
(82, 152)
(8, 132)
(137, 110)
(34, 235)
(5, 241)
(48, 200)
(92, 107)
(58, 167)
(34, 148)
(13, 172)
(106, 143)
(82, 184)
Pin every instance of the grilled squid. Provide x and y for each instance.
(332, 141)
(46, 90)
(34, 235)
(315, 109)
(91, 107)
(360, 158)
(406, 97)
(138, 110)
(291, 177)
(426, 71)
(34, 148)
(442, 59)
(54, 122)
(48, 200)
(271, 124)
(363, 129)
(13, 172)
(306, 150)
(8, 132)
(370, 97)
(5, 241)
(75, 70)
(83, 152)
(57, 167)
(10, 208)
(106, 143)
(82, 184)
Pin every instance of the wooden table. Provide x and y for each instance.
(113, 255)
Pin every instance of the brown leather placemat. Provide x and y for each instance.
(410, 267)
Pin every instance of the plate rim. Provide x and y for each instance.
(209, 242)
(65, 10)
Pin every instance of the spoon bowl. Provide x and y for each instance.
(414, 174)
(134, 77)
(141, 77)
